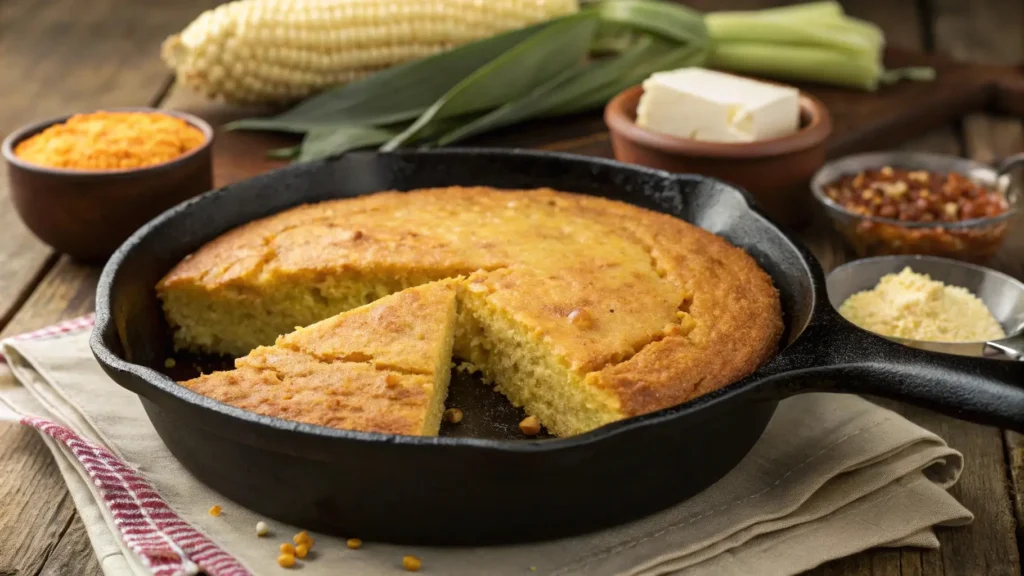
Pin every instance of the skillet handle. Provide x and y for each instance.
(836, 356)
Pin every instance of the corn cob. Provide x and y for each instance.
(275, 51)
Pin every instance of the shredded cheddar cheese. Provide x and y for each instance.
(111, 141)
(913, 306)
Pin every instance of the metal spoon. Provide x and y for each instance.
(1002, 294)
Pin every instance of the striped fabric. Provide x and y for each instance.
(73, 325)
(166, 544)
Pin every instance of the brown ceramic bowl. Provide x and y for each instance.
(775, 171)
(87, 214)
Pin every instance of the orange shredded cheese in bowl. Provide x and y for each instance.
(103, 141)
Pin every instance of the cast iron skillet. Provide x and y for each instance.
(490, 489)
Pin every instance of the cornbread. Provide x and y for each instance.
(913, 306)
(383, 367)
(579, 309)
(111, 141)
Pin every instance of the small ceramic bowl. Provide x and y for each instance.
(775, 171)
(1002, 295)
(87, 214)
(975, 240)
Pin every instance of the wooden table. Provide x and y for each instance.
(77, 55)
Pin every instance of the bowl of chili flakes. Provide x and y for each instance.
(920, 203)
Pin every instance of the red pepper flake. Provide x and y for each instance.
(916, 196)
(910, 198)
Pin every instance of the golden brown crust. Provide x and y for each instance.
(643, 279)
(378, 368)
(400, 332)
(297, 387)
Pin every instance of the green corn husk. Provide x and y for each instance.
(511, 75)
(394, 95)
(327, 141)
(797, 63)
(557, 96)
(576, 63)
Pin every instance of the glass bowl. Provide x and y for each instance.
(975, 240)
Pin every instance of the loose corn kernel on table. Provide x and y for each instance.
(67, 56)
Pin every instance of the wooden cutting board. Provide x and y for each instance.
(861, 120)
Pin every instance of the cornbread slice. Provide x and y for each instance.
(579, 309)
(383, 367)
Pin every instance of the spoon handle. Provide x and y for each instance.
(1009, 163)
(1013, 348)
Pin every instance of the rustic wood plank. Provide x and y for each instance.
(72, 552)
(36, 510)
(59, 57)
(35, 507)
(992, 34)
(987, 140)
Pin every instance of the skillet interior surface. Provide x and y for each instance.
(471, 485)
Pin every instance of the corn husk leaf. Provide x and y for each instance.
(336, 139)
(799, 63)
(544, 56)
(811, 14)
(328, 141)
(666, 20)
(393, 95)
(564, 92)
(660, 56)
(285, 153)
(674, 37)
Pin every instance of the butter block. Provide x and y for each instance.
(713, 106)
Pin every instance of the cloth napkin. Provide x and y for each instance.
(831, 476)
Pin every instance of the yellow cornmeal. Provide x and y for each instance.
(915, 307)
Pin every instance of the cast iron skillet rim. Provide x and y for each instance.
(162, 384)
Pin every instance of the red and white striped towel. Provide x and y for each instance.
(166, 544)
(65, 327)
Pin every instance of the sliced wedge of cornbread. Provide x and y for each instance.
(383, 367)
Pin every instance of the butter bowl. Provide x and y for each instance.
(774, 171)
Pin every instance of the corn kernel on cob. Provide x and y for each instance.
(265, 51)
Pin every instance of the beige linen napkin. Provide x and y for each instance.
(833, 475)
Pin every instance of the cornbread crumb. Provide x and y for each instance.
(354, 543)
(170, 363)
(215, 510)
(530, 426)
(411, 563)
(453, 415)
(915, 307)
